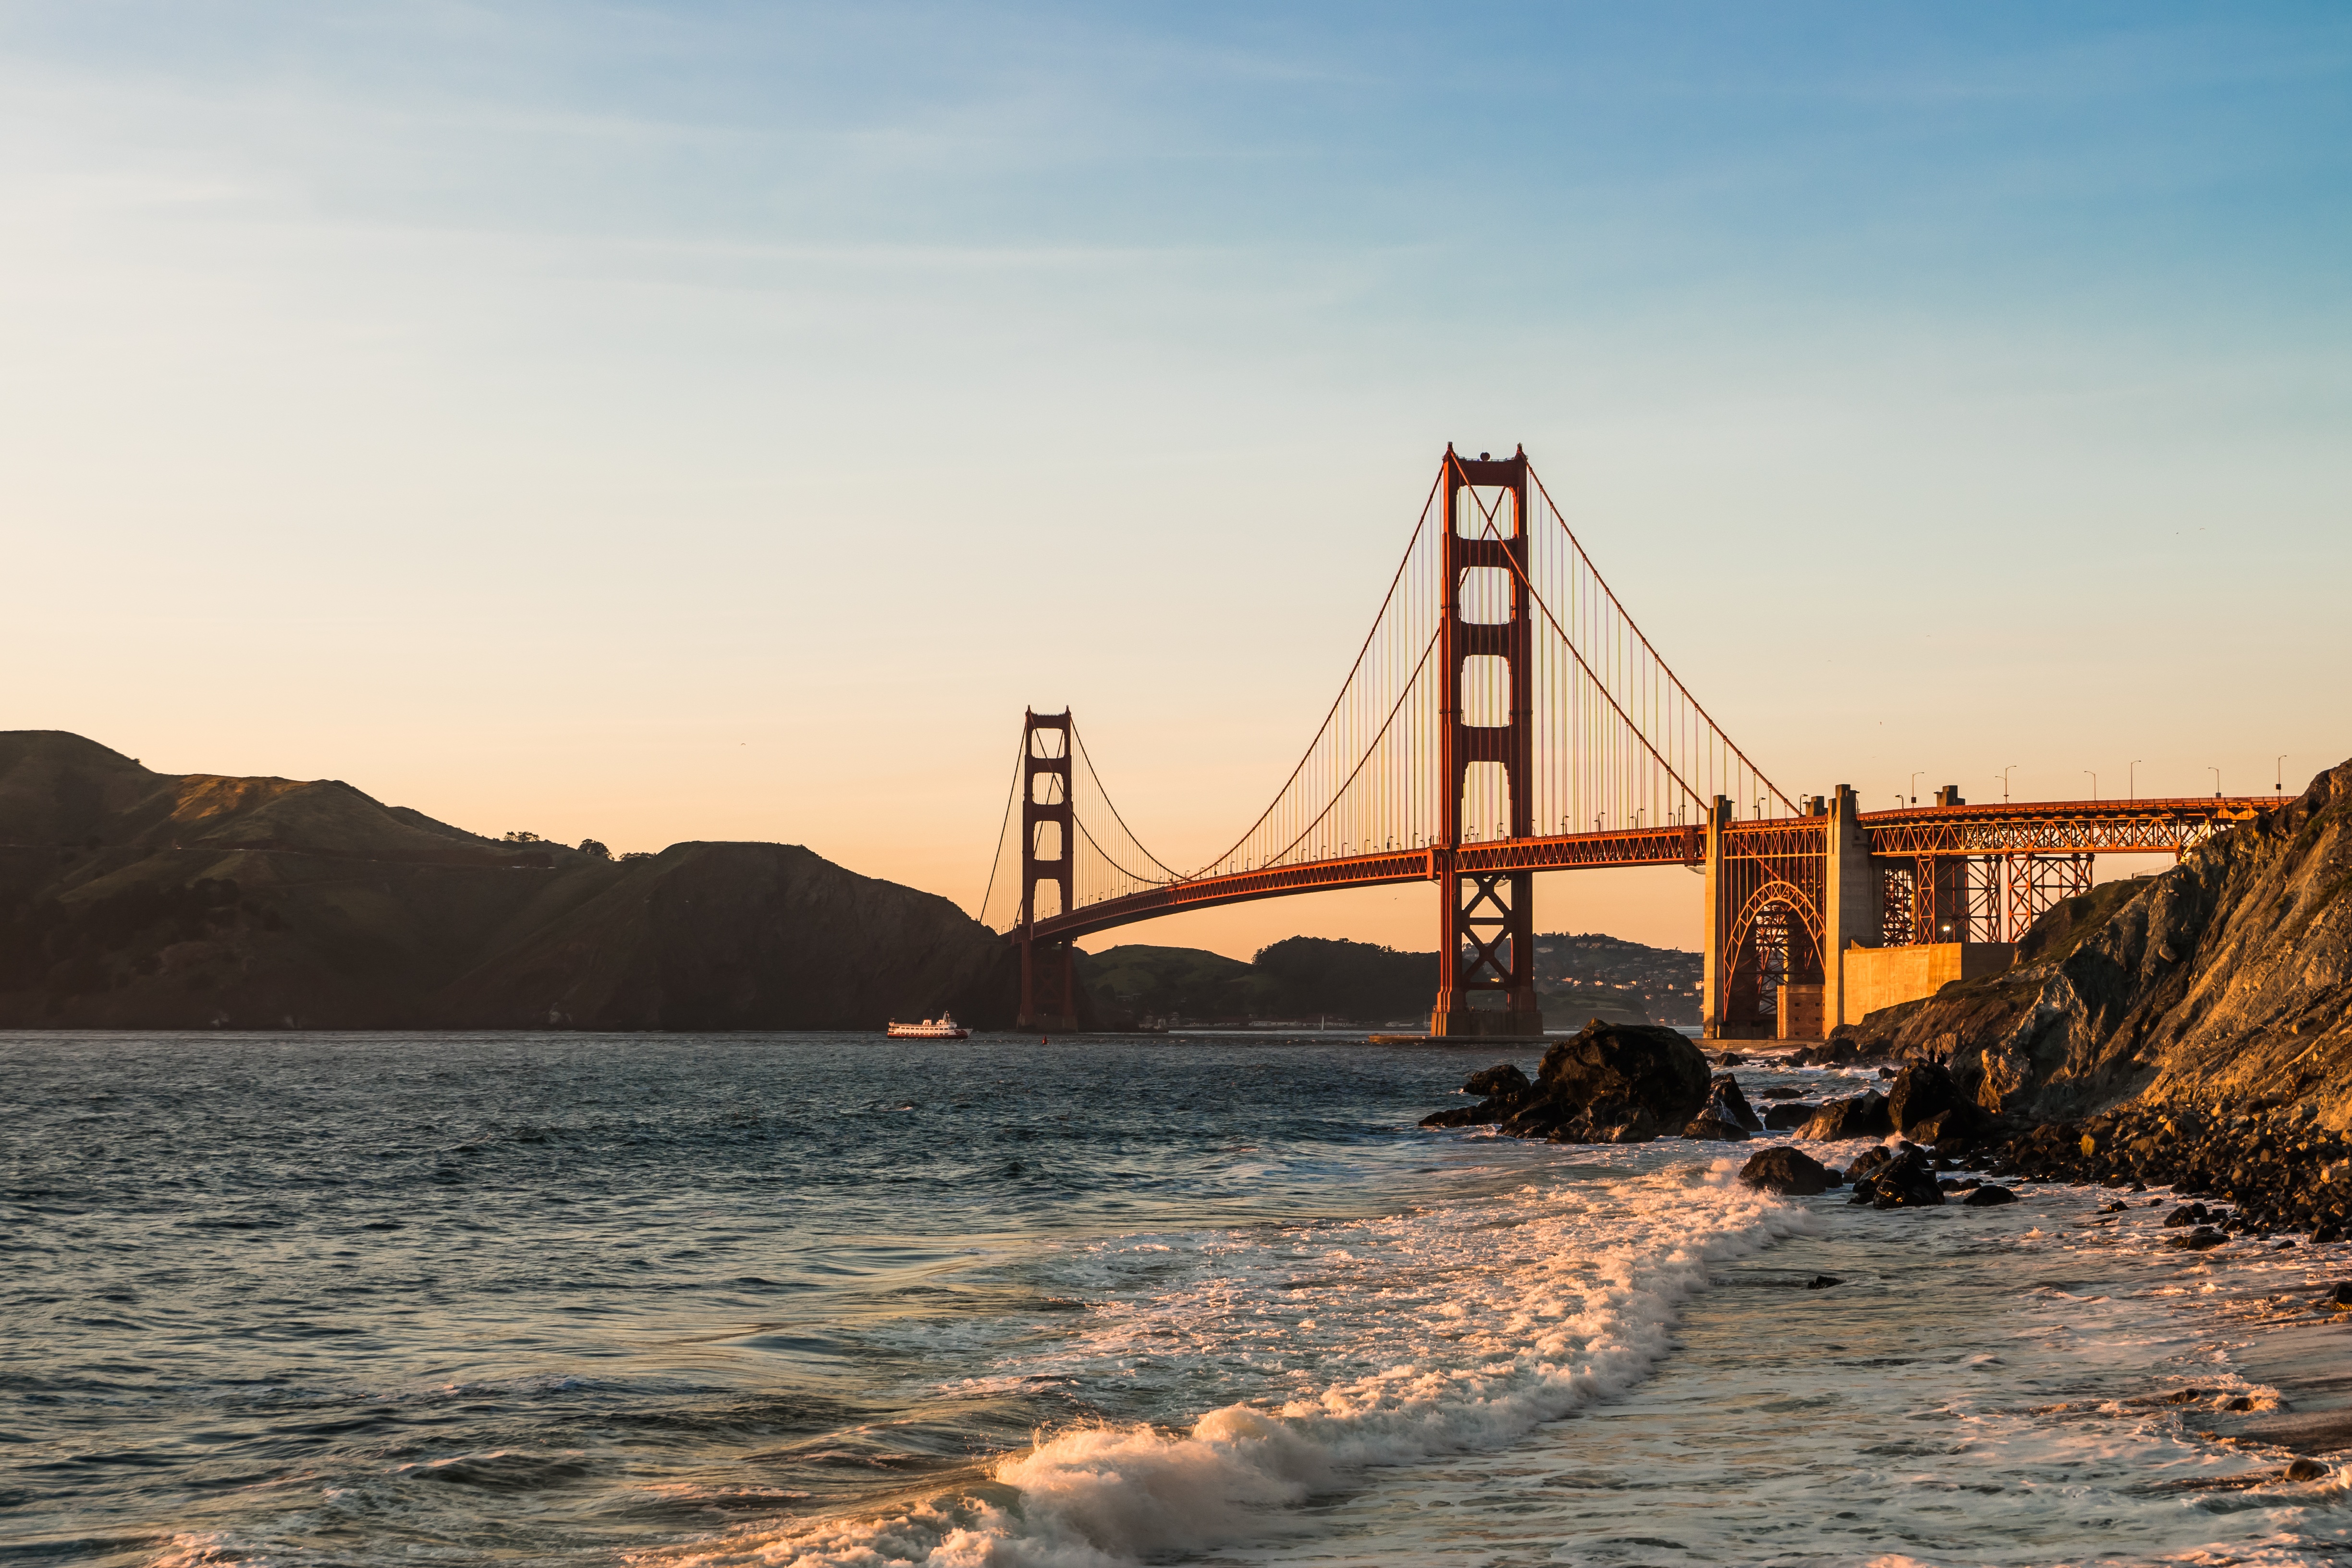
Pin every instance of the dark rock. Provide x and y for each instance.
(1919, 1091)
(1987, 1197)
(1459, 1116)
(1608, 1121)
(2306, 1469)
(1715, 1130)
(1729, 1060)
(1869, 1162)
(1725, 1102)
(1781, 1091)
(2197, 1240)
(1955, 1128)
(1502, 1078)
(1790, 1113)
(1535, 1118)
(1862, 1115)
(2188, 1214)
(1782, 1169)
(2340, 1297)
(1613, 1083)
(1907, 1179)
(1823, 1282)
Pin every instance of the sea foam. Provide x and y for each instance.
(1319, 1352)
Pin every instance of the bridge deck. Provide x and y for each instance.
(2015, 827)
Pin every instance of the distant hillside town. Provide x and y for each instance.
(1312, 980)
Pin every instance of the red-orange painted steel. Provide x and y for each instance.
(2059, 826)
(1486, 913)
(1048, 981)
(2017, 827)
(1637, 847)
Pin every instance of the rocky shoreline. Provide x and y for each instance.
(2267, 1172)
(2191, 1031)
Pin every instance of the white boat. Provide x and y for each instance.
(942, 1028)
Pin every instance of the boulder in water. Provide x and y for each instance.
(1506, 1089)
(1609, 1122)
(1862, 1115)
(1919, 1091)
(1789, 1113)
(1504, 1079)
(1785, 1170)
(1901, 1178)
(1725, 1103)
(1988, 1195)
(1955, 1127)
(1707, 1127)
(1655, 1070)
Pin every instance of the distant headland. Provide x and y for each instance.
(132, 898)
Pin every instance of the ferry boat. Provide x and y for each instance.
(942, 1028)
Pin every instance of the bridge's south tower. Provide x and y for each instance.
(1487, 748)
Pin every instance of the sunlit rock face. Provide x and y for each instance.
(2226, 981)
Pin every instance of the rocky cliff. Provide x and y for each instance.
(2225, 981)
(133, 898)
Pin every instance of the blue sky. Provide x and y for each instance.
(720, 421)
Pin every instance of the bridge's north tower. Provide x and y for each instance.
(1048, 975)
(1487, 748)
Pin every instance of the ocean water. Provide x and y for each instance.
(800, 1299)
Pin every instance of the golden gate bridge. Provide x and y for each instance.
(1504, 716)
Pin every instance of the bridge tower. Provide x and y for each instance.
(1049, 985)
(1486, 935)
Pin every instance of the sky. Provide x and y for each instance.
(720, 421)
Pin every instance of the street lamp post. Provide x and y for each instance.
(2278, 775)
(1915, 785)
(2095, 785)
(2132, 793)
(2217, 779)
(2004, 782)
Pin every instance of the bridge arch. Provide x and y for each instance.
(1775, 943)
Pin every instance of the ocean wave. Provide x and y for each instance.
(1457, 1328)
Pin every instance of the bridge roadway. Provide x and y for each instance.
(2172, 827)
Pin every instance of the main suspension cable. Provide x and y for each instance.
(1325, 728)
(1635, 626)
(1132, 837)
(1011, 794)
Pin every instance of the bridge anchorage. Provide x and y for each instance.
(1502, 701)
